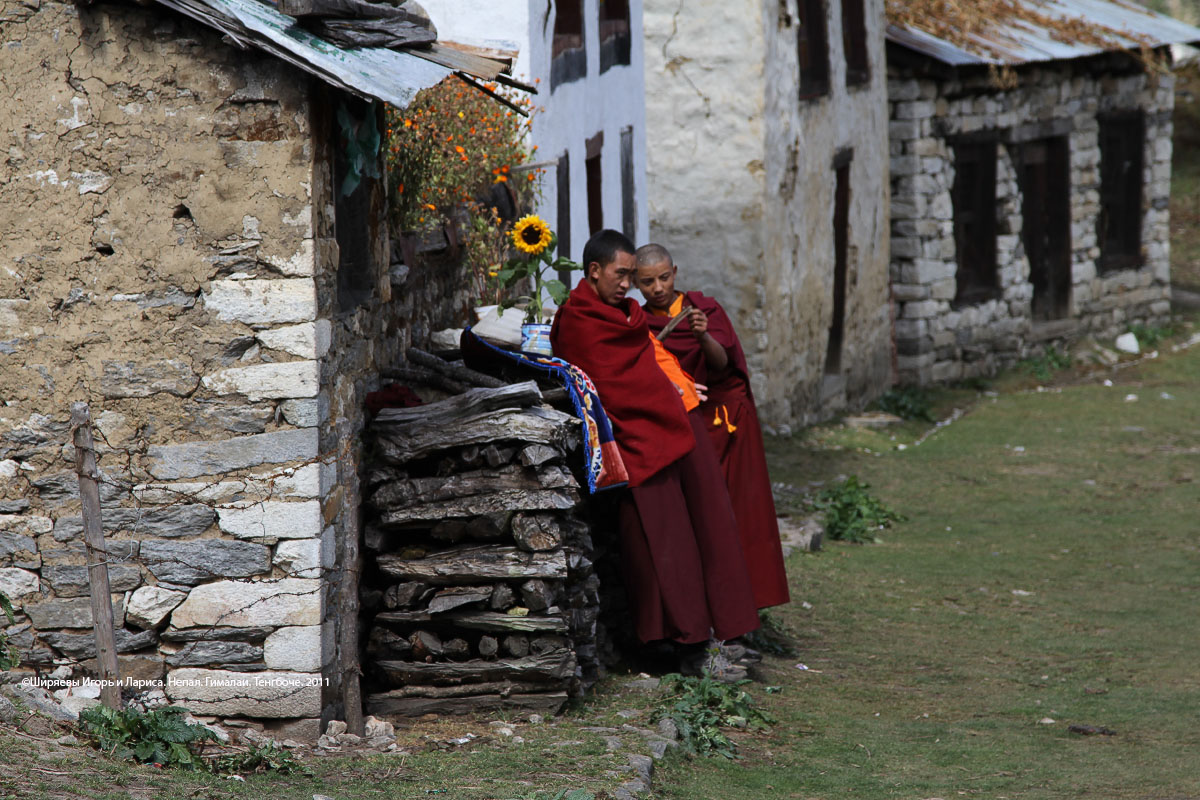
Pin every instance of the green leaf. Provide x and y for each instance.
(557, 290)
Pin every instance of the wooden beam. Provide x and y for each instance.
(97, 555)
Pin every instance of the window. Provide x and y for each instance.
(562, 180)
(591, 168)
(841, 246)
(974, 198)
(813, 42)
(1119, 230)
(568, 56)
(628, 200)
(1044, 175)
(614, 33)
(357, 199)
(854, 42)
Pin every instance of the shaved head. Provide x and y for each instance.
(653, 255)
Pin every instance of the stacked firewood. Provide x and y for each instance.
(479, 582)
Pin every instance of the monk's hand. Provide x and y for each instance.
(701, 391)
(699, 323)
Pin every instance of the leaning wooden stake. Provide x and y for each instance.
(97, 555)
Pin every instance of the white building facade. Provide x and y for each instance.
(585, 58)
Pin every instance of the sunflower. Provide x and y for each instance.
(531, 235)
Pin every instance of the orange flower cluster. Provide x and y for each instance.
(448, 147)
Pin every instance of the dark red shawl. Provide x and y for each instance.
(686, 347)
(612, 345)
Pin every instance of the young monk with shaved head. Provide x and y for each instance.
(683, 565)
(708, 348)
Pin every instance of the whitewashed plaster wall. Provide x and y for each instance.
(741, 184)
(575, 111)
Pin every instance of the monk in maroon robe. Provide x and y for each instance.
(708, 349)
(684, 570)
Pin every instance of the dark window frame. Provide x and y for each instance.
(568, 52)
(615, 34)
(841, 260)
(973, 196)
(562, 177)
(1119, 235)
(812, 46)
(854, 42)
(593, 171)
(357, 215)
(628, 185)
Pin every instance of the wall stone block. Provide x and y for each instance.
(301, 648)
(75, 612)
(128, 379)
(263, 302)
(215, 457)
(291, 601)
(149, 605)
(192, 562)
(179, 520)
(269, 521)
(245, 694)
(262, 381)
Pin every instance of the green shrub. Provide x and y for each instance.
(9, 657)
(852, 514)
(1151, 336)
(265, 758)
(701, 707)
(159, 736)
(908, 402)
(1043, 367)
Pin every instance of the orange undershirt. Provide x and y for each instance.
(676, 307)
(669, 364)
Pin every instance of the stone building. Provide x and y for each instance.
(767, 147)
(1030, 173)
(178, 249)
(585, 58)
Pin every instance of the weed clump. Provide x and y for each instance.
(908, 402)
(9, 657)
(701, 707)
(852, 513)
(1044, 366)
(1152, 335)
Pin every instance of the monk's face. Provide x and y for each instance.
(612, 280)
(657, 282)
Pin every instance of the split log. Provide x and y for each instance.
(503, 597)
(457, 649)
(457, 596)
(538, 595)
(382, 643)
(456, 371)
(540, 645)
(535, 532)
(535, 454)
(547, 703)
(490, 621)
(517, 645)
(420, 376)
(497, 456)
(468, 404)
(503, 688)
(488, 646)
(404, 595)
(425, 644)
(403, 444)
(469, 565)
(556, 477)
(549, 667)
(476, 505)
(417, 491)
(489, 526)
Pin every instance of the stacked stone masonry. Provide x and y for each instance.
(167, 253)
(936, 340)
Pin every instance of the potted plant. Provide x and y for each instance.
(534, 260)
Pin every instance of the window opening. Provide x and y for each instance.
(813, 42)
(1044, 177)
(562, 180)
(568, 52)
(614, 33)
(854, 42)
(1119, 230)
(628, 199)
(591, 168)
(357, 199)
(841, 246)
(974, 198)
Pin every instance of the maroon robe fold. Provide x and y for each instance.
(684, 570)
(731, 422)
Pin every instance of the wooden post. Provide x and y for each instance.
(97, 555)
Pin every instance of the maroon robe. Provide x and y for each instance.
(684, 570)
(731, 422)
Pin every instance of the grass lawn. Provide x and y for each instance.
(1049, 569)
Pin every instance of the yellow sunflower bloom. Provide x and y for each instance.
(531, 235)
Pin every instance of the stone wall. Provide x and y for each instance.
(168, 254)
(741, 189)
(935, 339)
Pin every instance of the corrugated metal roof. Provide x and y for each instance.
(1014, 41)
(373, 72)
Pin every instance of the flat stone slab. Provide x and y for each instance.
(249, 694)
(171, 522)
(199, 560)
(73, 581)
(193, 459)
(75, 612)
(291, 601)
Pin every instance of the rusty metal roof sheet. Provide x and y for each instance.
(1015, 42)
(372, 72)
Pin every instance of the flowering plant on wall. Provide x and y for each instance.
(535, 243)
(455, 150)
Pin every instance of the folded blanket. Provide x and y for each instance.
(602, 460)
